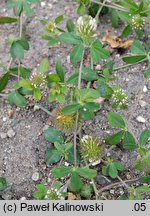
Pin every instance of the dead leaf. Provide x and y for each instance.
(71, 196)
(115, 42)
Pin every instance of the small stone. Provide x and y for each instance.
(66, 164)
(112, 191)
(127, 79)
(3, 135)
(43, 4)
(35, 176)
(11, 133)
(145, 89)
(36, 108)
(128, 177)
(121, 192)
(141, 119)
(23, 198)
(4, 119)
(10, 113)
(102, 180)
(50, 5)
(98, 67)
(96, 162)
(142, 103)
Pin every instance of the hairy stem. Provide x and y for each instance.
(37, 106)
(117, 184)
(20, 25)
(111, 5)
(99, 11)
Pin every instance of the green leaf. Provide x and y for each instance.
(129, 141)
(53, 78)
(52, 156)
(71, 109)
(70, 38)
(53, 135)
(134, 59)
(116, 120)
(60, 172)
(3, 81)
(147, 74)
(115, 138)
(112, 170)
(97, 52)
(43, 66)
(92, 106)
(114, 18)
(145, 135)
(145, 179)
(6, 20)
(143, 189)
(86, 172)
(119, 166)
(58, 19)
(3, 183)
(37, 94)
(73, 79)
(51, 41)
(124, 16)
(86, 115)
(70, 26)
(24, 43)
(127, 30)
(76, 54)
(60, 70)
(137, 48)
(16, 50)
(86, 191)
(89, 74)
(26, 84)
(75, 183)
(17, 99)
(81, 9)
(70, 154)
(41, 192)
(105, 90)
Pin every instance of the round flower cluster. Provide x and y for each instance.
(137, 22)
(37, 79)
(64, 122)
(86, 26)
(90, 148)
(119, 98)
(54, 194)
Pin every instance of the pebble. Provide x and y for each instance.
(102, 180)
(50, 5)
(3, 135)
(66, 164)
(142, 103)
(43, 4)
(145, 89)
(98, 67)
(141, 119)
(96, 162)
(4, 119)
(35, 176)
(23, 198)
(112, 191)
(11, 133)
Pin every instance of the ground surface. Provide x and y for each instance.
(22, 145)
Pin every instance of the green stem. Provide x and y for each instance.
(20, 25)
(99, 11)
(128, 65)
(117, 7)
(77, 114)
(80, 71)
